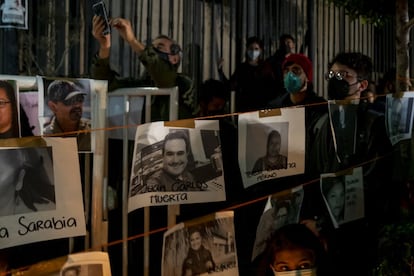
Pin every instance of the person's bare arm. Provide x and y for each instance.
(125, 31)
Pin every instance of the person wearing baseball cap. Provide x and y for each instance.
(65, 99)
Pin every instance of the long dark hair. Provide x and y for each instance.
(13, 101)
(37, 187)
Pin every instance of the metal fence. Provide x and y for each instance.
(59, 40)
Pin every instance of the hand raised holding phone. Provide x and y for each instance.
(99, 9)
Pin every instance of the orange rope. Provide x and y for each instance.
(231, 208)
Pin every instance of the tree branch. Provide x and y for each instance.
(62, 59)
(409, 25)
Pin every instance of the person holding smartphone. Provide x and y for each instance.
(161, 60)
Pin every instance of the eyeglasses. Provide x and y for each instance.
(4, 102)
(74, 100)
(340, 75)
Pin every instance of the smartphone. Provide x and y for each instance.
(99, 9)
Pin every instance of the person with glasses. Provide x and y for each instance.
(65, 99)
(9, 120)
(347, 76)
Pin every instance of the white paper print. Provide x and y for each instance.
(399, 117)
(46, 201)
(271, 147)
(187, 168)
(65, 106)
(88, 263)
(343, 194)
(13, 14)
(281, 209)
(343, 123)
(205, 247)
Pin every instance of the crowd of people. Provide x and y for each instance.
(283, 80)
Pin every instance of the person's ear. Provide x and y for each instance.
(20, 178)
(52, 105)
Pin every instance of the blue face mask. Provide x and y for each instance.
(293, 83)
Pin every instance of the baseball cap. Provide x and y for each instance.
(63, 90)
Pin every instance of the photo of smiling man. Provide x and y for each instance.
(174, 174)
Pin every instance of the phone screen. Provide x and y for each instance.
(99, 9)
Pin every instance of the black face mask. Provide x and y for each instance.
(175, 50)
(162, 55)
(337, 89)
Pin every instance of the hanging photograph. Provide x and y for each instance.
(65, 109)
(271, 144)
(176, 165)
(13, 14)
(399, 117)
(207, 246)
(41, 192)
(343, 194)
(281, 208)
(93, 263)
(87, 263)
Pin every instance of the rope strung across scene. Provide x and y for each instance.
(231, 208)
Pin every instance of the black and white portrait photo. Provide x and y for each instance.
(281, 209)
(343, 194)
(274, 156)
(399, 117)
(26, 181)
(271, 146)
(333, 189)
(65, 108)
(179, 160)
(40, 190)
(207, 247)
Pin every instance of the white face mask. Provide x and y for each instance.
(301, 272)
(253, 54)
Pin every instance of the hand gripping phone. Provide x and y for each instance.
(99, 9)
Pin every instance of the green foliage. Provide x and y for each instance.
(396, 250)
(376, 12)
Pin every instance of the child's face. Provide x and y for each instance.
(293, 259)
